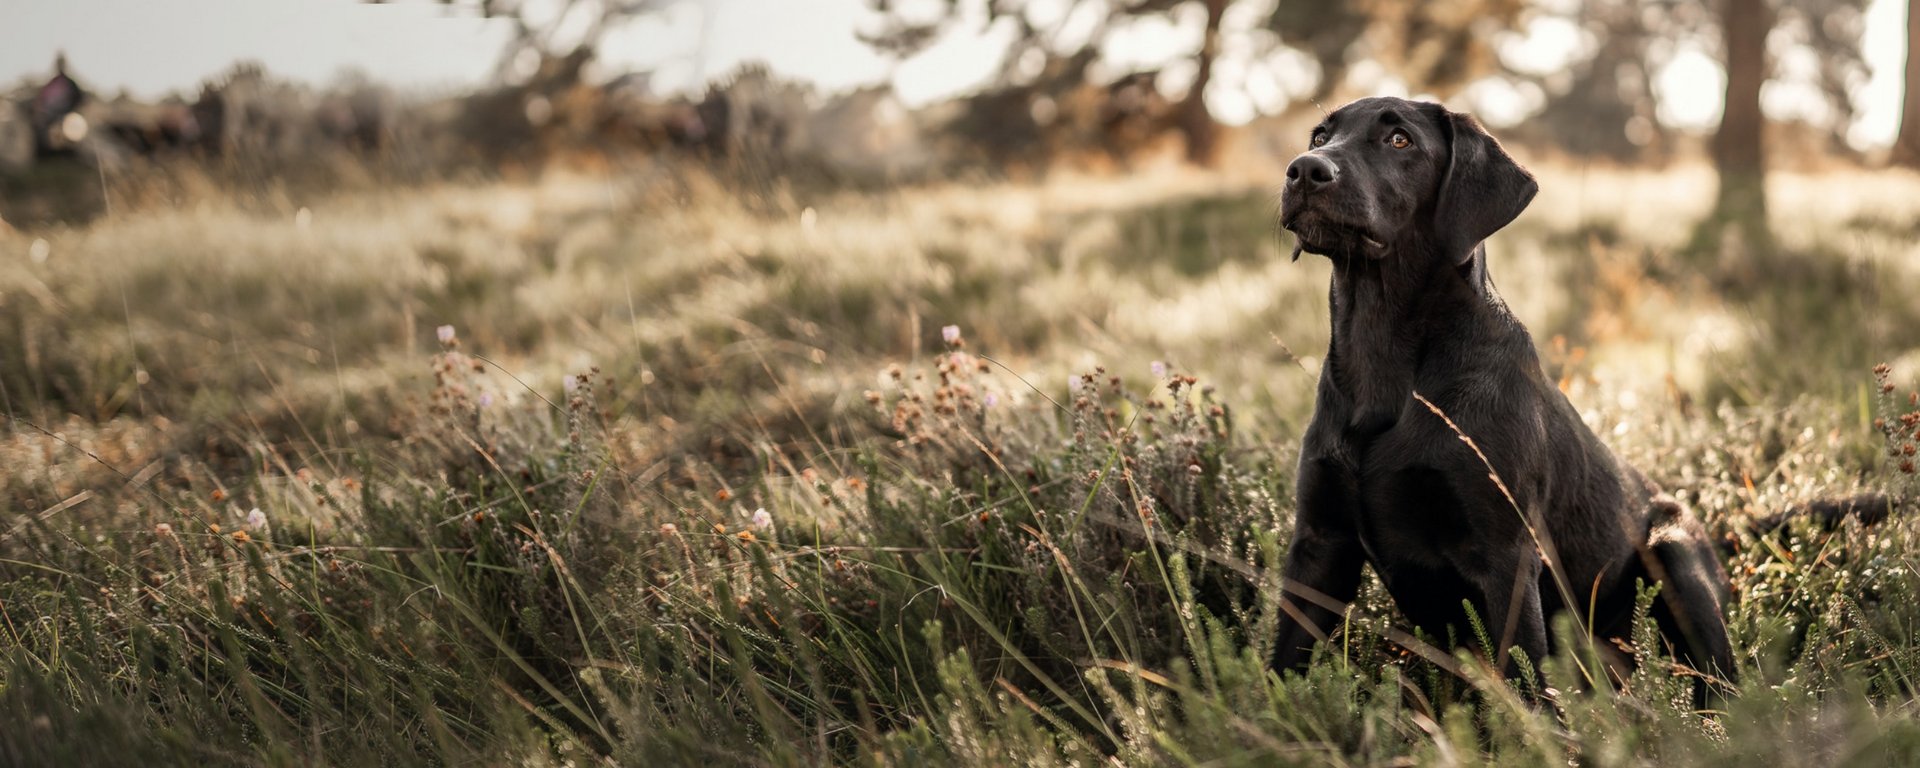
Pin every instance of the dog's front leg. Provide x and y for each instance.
(1323, 567)
(1513, 615)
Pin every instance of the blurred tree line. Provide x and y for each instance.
(1056, 89)
(1603, 102)
(1060, 87)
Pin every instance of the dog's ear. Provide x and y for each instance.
(1483, 189)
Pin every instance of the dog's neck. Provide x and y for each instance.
(1386, 311)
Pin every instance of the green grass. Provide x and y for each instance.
(969, 559)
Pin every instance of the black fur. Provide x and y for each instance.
(1385, 480)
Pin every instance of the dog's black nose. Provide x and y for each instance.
(1311, 171)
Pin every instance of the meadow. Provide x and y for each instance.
(628, 466)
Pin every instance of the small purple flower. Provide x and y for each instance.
(762, 519)
(950, 333)
(1073, 384)
(445, 333)
(990, 400)
(1159, 369)
(569, 383)
(486, 399)
(256, 519)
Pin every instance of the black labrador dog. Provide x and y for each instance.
(1534, 515)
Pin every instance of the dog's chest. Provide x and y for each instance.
(1412, 497)
(1418, 512)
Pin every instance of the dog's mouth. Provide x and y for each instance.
(1315, 233)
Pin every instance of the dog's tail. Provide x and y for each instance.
(1830, 513)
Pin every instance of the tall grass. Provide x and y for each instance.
(706, 483)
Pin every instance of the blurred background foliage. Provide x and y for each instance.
(1576, 79)
(568, 418)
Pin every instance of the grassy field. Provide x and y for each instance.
(625, 468)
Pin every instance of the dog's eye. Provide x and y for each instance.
(1399, 140)
(1318, 140)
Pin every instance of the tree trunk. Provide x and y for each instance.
(1196, 121)
(1906, 148)
(1738, 152)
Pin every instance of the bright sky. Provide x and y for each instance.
(151, 47)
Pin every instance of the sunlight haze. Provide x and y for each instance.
(152, 47)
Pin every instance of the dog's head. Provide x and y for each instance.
(1380, 173)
